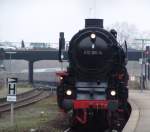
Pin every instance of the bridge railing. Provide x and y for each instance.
(32, 45)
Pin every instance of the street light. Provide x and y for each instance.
(10, 57)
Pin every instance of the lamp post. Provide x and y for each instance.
(10, 58)
(142, 58)
(92, 9)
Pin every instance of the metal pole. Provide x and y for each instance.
(142, 79)
(12, 104)
(92, 9)
(10, 64)
(12, 114)
(10, 56)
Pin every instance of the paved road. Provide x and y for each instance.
(140, 116)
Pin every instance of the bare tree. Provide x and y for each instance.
(125, 31)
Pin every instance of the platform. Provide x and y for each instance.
(140, 116)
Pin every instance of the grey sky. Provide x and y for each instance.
(42, 20)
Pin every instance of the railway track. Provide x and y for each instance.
(89, 130)
(67, 130)
(25, 99)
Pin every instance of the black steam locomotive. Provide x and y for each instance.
(94, 87)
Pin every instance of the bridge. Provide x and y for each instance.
(36, 55)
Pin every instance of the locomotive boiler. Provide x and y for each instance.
(94, 86)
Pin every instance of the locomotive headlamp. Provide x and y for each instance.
(68, 92)
(93, 36)
(113, 93)
(61, 78)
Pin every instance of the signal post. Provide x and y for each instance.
(11, 97)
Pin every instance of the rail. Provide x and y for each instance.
(25, 99)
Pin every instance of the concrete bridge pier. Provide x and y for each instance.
(30, 76)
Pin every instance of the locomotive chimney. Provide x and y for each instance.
(94, 23)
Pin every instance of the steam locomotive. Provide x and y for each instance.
(94, 87)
